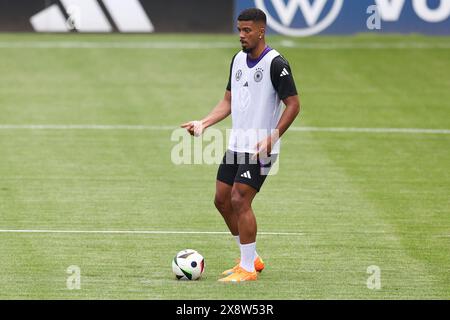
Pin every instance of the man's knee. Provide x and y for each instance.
(222, 202)
(239, 202)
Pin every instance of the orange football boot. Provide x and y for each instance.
(240, 275)
(259, 266)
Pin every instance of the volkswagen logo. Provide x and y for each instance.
(311, 11)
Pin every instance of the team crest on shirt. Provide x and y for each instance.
(238, 75)
(258, 74)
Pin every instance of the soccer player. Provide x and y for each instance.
(260, 78)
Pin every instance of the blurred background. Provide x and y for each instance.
(92, 90)
(288, 17)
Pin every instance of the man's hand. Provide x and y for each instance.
(264, 148)
(195, 128)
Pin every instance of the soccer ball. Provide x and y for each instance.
(188, 264)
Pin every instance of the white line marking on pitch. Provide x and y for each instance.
(85, 127)
(372, 130)
(115, 45)
(142, 232)
(156, 128)
(214, 45)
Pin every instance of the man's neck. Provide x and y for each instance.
(255, 53)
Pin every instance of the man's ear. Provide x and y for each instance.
(262, 32)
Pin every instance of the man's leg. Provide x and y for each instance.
(242, 196)
(222, 201)
(241, 200)
(231, 192)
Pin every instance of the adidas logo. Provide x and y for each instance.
(284, 73)
(246, 175)
(246, 84)
(89, 16)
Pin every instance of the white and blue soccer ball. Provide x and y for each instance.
(188, 264)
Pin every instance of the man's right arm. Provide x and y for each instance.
(220, 112)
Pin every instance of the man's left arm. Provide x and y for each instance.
(289, 114)
(264, 147)
(284, 84)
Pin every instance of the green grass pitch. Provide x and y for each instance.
(356, 199)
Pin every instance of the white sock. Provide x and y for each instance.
(248, 255)
(238, 241)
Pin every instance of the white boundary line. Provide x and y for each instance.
(197, 45)
(372, 130)
(84, 127)
(163, 232)
(115, 45)
(156, 128)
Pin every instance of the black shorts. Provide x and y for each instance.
(238, 167)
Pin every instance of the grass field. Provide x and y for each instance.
(355, 198)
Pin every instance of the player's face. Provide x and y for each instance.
(250, 33)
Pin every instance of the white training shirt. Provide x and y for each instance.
(255, 104)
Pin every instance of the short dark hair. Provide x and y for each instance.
(253, 14)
